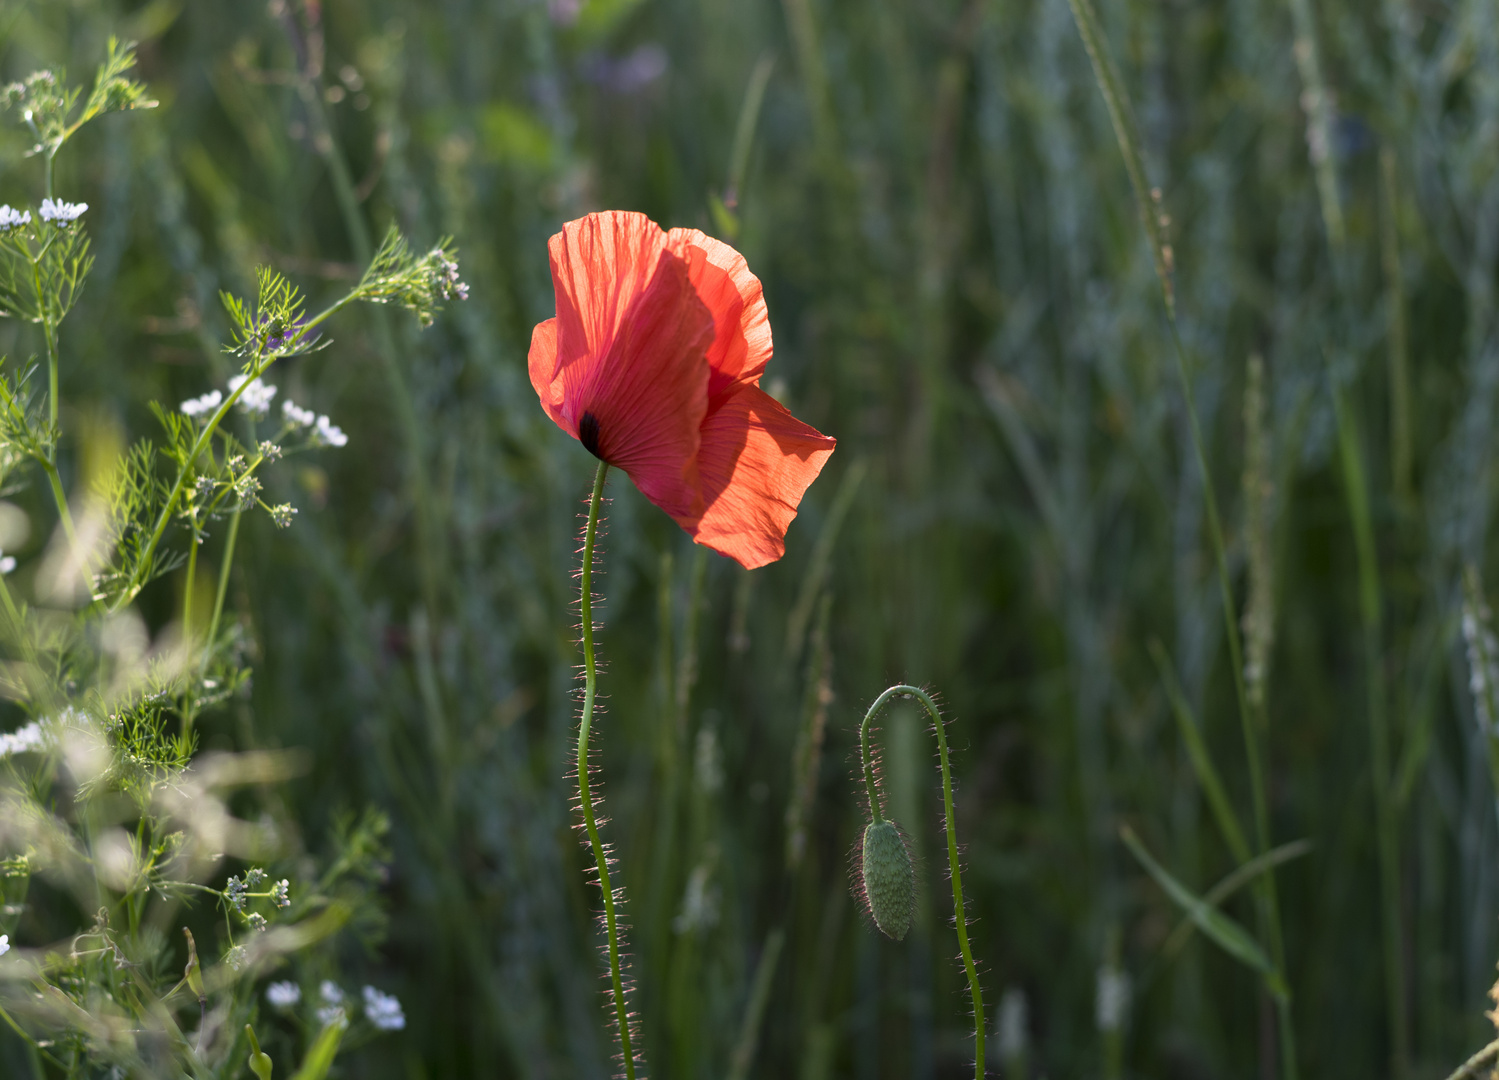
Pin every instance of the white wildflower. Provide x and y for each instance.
(200, 406)
(297, 416)
(7, 563)
(383, 1010)
(62, 213)
(237, 957)
(331, 992)
(329, 1015)
(283, 995)
(256, 399)
(327, 434)
(1112, 1001)
(4, 944)
(24, 740)
(13, 219)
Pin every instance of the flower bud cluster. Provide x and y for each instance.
(445, 276)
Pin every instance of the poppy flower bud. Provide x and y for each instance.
(889, 881)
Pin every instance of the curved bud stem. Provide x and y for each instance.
(585, 794)
(959, 916)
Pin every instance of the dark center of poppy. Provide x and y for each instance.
(588, 434)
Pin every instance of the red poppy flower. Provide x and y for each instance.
(653, 363)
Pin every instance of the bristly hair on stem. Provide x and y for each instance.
(883, 865)
(623, 1019)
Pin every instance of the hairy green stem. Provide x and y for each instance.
(585, 794)
(960, 919)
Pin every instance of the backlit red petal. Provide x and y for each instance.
(741, 342)
(648, 394)
(755, 462)
(542, 364)
(600, 266)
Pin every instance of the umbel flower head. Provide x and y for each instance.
(653, 363)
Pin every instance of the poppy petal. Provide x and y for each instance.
(600, 265)
(755, 462)
(542, 364)
(742, 343)
(643, 405)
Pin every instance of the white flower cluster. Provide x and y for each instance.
(13, 219)
(201, 406)
(4, 944)
(23, 740)
(283, 995)
(332, 1011)
(297, 416)
(383, 1010)
(7, 563)
(328, 434)
(62, 213)
(256, 399)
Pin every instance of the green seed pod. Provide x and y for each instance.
(889, 881)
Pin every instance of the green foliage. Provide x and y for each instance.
(962, 290)
(109, 813)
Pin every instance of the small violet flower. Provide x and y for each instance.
(62, 213)
(201, 406)
(13, 219)
(256, 399)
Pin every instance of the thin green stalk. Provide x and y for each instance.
(1399, 358)
(585, 794)
(59, 496)
(218, 600)
(960, 919)
(187, 593)
(1202, 762)
(1379, 735)
(1145, 199)
(204, 437)
(749, 1028)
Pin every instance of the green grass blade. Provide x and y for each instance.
(1224, 931)
(1202, 761)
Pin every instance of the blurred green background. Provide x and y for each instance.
(961, 292)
